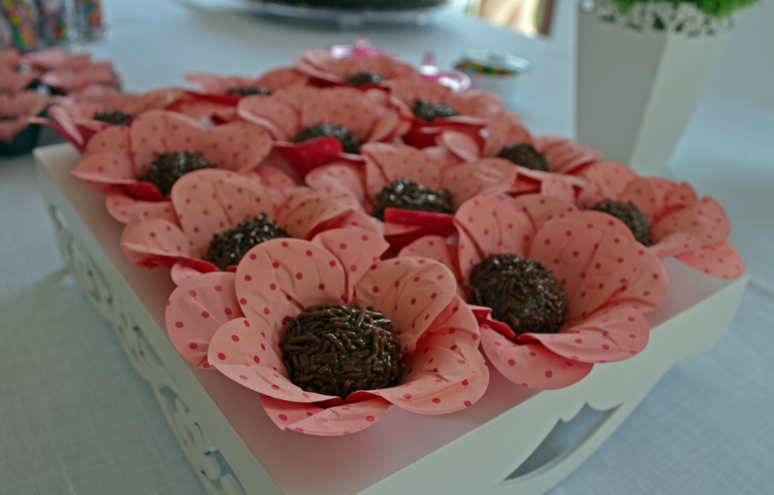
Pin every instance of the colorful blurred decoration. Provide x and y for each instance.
(21, 16)
(530, 17)
(90, 18)
(57, 21)
(31, 25)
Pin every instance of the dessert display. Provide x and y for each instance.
(376, 5)
(404, 240)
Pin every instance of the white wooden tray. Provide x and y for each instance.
(235, 449)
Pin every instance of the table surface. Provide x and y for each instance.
(76, 419)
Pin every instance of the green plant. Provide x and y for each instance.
(714, 8)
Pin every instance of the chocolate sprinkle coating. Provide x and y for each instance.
(338, 349)
(408, 195)
(248, 91)
(115, 117)
(521, 292)
(363, 77)
(524, 155)
(228, 247)
(168, 167)
(349, 143)
(630, 215)
(428, 111)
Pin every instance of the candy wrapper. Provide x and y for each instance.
(437, 333)
(429, 168)
(609, 280)
(682, 225)
(178, 234)
(366, 116)
(116, 157)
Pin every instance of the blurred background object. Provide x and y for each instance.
(31, 25)
(529, 17)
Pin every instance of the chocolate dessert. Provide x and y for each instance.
(115, 117)
(630, 215)
(349, 143)
(408, 195)
(168, 167)
(363, 77)
(428, 111)
(228, 247)
(524, 155)
(248, 91)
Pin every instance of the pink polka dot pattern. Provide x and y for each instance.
(388, 162)
(187, 326)
(243, 146)
(275, 115)
(565, 156)
(504, 128)
(341, 177)
(490, 176)
(719, 260)
(435, 248)
(306, 212)
(347, 107)
(360, 251)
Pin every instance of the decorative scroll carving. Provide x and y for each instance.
(685, 19)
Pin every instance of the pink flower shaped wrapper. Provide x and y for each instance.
(609, 278)
(14, 82)
(16, 111)
(76, 123)
(286, 114)
(683, 226)
(444, 373)
(385, 163)
(64, 80)
(9, 58)
(56, 58)
(116, 156)
(176, 234)
(563, 155)
(323, 65)
(475, 109)
(215, 88)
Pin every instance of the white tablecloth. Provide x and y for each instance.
(76, 419)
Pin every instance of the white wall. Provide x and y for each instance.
(746, 69)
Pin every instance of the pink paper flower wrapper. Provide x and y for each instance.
(215, 88)
(683, 226)
(431, 167)
(609, 278)
(20, 107)
(177, 233)
(56, 58)
(444, 370)
(116, 156)
(75, 122)
(14, 82)
(64, 80)
(564, 156)
(10, 58)
(474, 107)
(368, 115)
(323, 65)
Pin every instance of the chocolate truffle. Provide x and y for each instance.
(363, 77)
(631, 216)
(349, 143)
(524, 155)
(428, 111)
(337, 349)
(521, 292)
(408, 195)
(228, 247)
(115, 117)
(248, 91)
(168, 167)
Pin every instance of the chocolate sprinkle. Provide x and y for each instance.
(521, 292)
(338, 349)
(168, 167)
(248, 91)
(428, 111)
(630, 215)
(228, 247)
(408, 195)
(349, 143)
(115, 117)
(363, 77)
(524, 155)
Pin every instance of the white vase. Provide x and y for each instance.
(638, 86)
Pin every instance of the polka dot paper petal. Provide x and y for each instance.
(332, 421)
(157, 132)
(605, 180)
(306, 211)
(239, 146)
(339, 178)
(400, 161)
(503, 129)
(496, 226)
(275, 115)
(435, 248)
(121, 207)
(609, 335)
(719, 260)
(181, 272)
(444, 375)
(590, 253)
(648, 286)
(705, 221)
(155, 242)
(564, 155)
(409, 292)
(196, 310)
(488, 176)
(356, 250)
(240, 351)
(278, 273)
(105, 167)
(461, 144)
(541, 208)
(531, 365)
(114, 139)
(346, 107)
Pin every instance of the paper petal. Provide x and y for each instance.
(339, 178)
(306, 156)
(275, 115)
(238, 146)
(591, 254)
(564, 155)
(461, 144)
(719, 260)
(346, 107)
(306, 211)
(394, 162)
(531, 365)
(331, 421)
(155, 242)
(409, 291)
(504, 129)
(705, 221)
(196, 310)
(357, 251)
(648, 286)
(105, 167)
(605, 180)
(487, 176)
(181, 272)
(112, 139)
(159, 131)
(435, 248)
